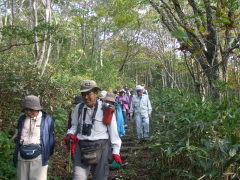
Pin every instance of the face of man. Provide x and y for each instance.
(31, 113)
(139, 93)
(90, 98)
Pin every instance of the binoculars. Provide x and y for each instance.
(86, 129)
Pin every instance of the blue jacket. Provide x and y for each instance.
(120, 121)
(46, 134)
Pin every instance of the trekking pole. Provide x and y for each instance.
(69, 159)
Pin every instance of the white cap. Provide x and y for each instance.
(102, 94)
(139, 88)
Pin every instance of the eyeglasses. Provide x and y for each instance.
(89, 93)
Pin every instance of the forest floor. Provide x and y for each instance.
(133, 154)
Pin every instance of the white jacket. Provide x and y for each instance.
(140, 105)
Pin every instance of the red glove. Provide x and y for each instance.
(71, 139)
(117, 158)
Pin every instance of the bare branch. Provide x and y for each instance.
(23, 44)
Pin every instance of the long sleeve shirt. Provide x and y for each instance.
(99, 129)
(31, 130)
(140, 105)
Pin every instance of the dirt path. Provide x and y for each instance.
(128, 143)
(132, 167)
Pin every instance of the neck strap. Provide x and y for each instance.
(94, 113)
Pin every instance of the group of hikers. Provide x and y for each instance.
(94, 132)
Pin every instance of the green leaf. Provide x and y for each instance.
(201, 28)
(228, 163)
(206, 143)
(224, 20)
(180, 34)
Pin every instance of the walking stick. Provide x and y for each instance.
(69, 159)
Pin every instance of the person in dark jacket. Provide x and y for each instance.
(35, 141)
(77, 100)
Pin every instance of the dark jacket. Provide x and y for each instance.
(46, 134)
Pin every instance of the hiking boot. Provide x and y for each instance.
(140, 141)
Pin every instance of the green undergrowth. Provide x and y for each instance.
(193, 139)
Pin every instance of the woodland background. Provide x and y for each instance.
(186, 52)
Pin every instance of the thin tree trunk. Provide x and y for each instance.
(35, 24)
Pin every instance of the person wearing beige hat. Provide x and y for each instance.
(94, 135)
(35, 141)
(110, 98)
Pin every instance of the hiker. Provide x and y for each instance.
(144, 90)
(123, 100)
(116, 94)
(127, 91)
(35, 141)
(110, 98)
(142, 109)
(77, 100)
(93, 136)
(102, 95)
(132, 94)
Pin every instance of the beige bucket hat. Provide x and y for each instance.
(109, 97)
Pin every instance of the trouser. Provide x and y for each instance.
(99, 171)
(125, 116)
(31, 170)
(142, 125)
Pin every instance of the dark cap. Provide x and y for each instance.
(77, 100)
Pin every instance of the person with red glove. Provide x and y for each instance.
(71, 140)
(116, 161)
(93, 136)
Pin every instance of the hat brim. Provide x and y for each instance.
(109, 99)
(138, 89)
(89, 89)
(23, 108)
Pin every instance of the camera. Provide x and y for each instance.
(86, 129)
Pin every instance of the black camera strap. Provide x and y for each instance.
(84, 115)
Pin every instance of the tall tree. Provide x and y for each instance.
(206, 29)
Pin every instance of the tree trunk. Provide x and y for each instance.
(204, 44)
(35, 24)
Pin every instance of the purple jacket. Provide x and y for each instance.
(124, 104)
